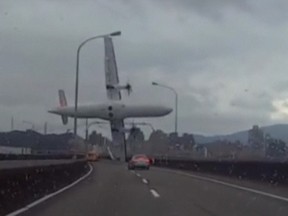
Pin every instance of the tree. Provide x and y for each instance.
(256, 138)
(275, 147)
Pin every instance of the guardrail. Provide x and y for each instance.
(273, 171)
(20, 185)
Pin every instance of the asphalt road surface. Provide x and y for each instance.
(113, 190)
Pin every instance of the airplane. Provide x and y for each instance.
(113, 111)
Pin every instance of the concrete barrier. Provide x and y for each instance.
(274, 172)
(21, 186)
(39, 156)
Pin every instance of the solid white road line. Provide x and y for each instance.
(155, 193)
(19, 211)
(144, 181)
(231, 185)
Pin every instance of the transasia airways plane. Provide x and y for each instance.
(114, 111)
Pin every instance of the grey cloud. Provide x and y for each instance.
(281, 86)
(177, 43)
(220, 123)
(199, 99)
(167, 55)
(270, 12)
(207, 8)
(266, 11)
(253, 101)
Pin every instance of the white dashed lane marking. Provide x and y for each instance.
(155, 193)
(145, 181)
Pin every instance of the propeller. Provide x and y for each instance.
(128, 88)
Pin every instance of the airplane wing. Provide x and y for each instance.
(111, 72)
(112, 80)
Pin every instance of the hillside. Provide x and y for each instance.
(34, 140)
(279, 131)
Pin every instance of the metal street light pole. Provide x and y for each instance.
(147, 124)
(176, 102)
(117, 33)
(141, 124)
(97, 122)
(87, 126)
(90, 124)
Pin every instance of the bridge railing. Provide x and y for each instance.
(22, 182)
(272, 171)
(40, 156)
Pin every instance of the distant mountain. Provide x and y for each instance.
(242, 136)
(279, 131)
(35, 140)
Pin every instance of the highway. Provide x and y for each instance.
(113, 190)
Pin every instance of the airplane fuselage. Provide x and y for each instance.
(110, 111)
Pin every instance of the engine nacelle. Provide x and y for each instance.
(126, 87)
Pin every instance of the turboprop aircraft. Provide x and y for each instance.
(113, 111)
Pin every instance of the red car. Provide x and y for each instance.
(139, 161)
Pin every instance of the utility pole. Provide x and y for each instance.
(12, 123)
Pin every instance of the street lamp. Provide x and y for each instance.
(142, 124)
(117, 33)
(176, 102)
(147, 124)
(90, 124)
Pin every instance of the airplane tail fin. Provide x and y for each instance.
(63, 103)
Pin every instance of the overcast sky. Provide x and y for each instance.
(227, 59)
